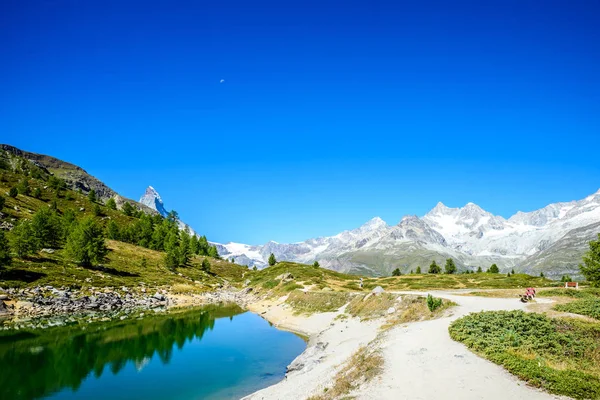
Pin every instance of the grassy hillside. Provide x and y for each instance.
(124, 265)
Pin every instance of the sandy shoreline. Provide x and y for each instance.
(421, 360)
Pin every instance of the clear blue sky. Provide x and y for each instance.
(331, 113)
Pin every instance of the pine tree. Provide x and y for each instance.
(112, 230)
(254, 268)
(541, 275)
(46, 229)
(92, 196)
(272, 260)
(591, 263)
(24, 188)
(194, 245)
(213, 252)
(111, 203)
(128, 209)
(479, 270)
(316, 264)
(68, 221)
(396, 272)
(85, 243)
(172, 258)
(184, 248)
(203, 243)
(13, 192)
(412, 272)
(494, 269)
(21, 239)
(5, 257)
(96, 210)
(418, 269)
(434, 268)
(450, 266)
(205, 265)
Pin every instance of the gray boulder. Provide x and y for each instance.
(378, 290)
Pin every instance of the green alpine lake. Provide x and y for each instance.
(214, 352)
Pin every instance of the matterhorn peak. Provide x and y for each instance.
(152, 199)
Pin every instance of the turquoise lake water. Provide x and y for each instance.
(210, 353)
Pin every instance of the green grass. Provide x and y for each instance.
(588, 306)
(123, 267)
(317, 302)
(460, 281)
(371, 305)
(561, 356)
(575, 293)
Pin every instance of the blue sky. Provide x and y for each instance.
(330, 113)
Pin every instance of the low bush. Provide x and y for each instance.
(588, 306)
(558, 355)
(433, 302)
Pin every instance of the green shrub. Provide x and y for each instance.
(433, 302)
(588, 306)
(558, 355)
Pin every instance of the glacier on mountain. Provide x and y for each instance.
(472, 236)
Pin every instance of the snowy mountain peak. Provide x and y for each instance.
(374, 223)
(441, 209)
(152, 199)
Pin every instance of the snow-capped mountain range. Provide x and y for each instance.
(551, 239)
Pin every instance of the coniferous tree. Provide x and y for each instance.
(111, 203)
(46, 229)
(479, 270)
(205, 265)
(5, 257)
(68, 221)
(184, 248)
(590, 268)
(512, 272)
(21, 239)
(272, 260)
(494, 269)
(434, 268)
(13, 192)
(24, 188)
(194, 245)
(128, 209)
(112, 230)
(541, 275)
(213, 252)
(85, 244)
(96, 210)
(450, 266)
(92, 196)
(203, 243)
(254, 268)
(396, 272)
(418, 269)
(316, 264)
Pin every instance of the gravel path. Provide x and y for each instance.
(423, 362)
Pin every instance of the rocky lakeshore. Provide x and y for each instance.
(46, 306)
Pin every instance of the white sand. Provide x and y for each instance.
(421, 360)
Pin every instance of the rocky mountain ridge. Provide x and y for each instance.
(551, 239)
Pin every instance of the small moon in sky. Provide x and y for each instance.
(222, 81)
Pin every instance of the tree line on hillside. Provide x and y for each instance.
(83, 239)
